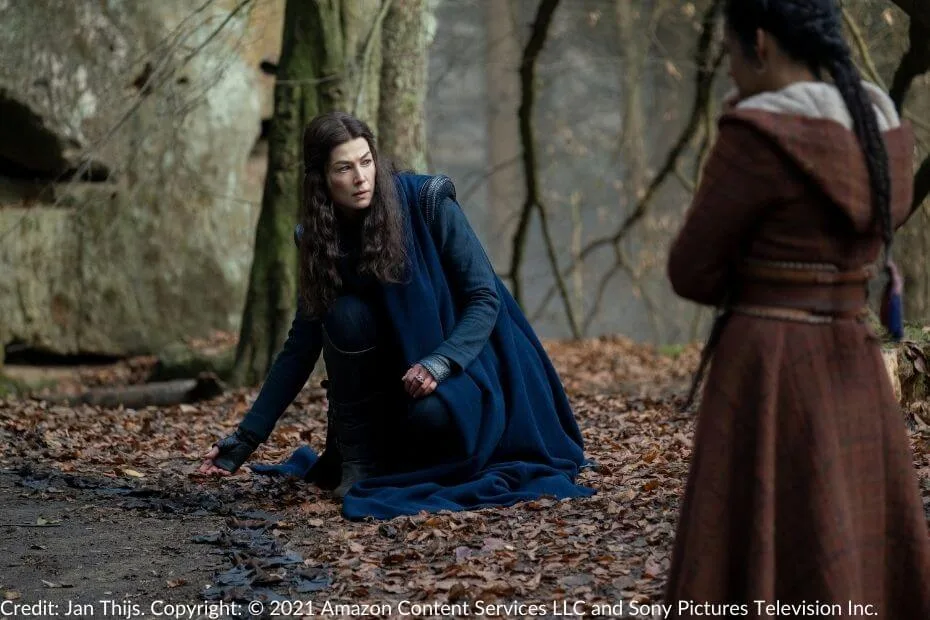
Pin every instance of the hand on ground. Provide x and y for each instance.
(208, 467)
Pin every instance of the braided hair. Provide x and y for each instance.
(811, 32)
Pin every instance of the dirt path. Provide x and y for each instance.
(69, 547)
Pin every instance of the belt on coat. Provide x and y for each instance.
(816, 293)
(806, 292)
(799, 315)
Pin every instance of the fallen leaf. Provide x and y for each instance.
(653, 568)
(133, 473)
(493, 544)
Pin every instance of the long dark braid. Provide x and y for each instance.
(865, 124)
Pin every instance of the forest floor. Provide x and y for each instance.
(104, 517)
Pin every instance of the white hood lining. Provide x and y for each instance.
(822, 100)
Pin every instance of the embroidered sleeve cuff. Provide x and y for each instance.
(438, 366)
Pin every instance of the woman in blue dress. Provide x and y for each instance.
(440, 395)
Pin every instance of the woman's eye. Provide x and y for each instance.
(367, 162)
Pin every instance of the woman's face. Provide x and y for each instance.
(747, 73)
(350, 175)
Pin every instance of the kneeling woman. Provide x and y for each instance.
(440, 394)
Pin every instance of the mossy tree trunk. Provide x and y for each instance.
(913, 241)
(330, 60)
(408, 30)
(506, 185)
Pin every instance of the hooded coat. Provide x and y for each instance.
(802, 485)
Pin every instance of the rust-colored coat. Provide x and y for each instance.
(802, 484)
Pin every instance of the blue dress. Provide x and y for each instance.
(508, 405)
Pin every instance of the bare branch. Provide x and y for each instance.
(708, 64)
(216, 32)
(473, 186)
(619, 265)
(533, 200)
(687, 183)
(560, 281)
(915, 62)
(922, 183)
(862, 47)
(706, 141)
(706, 73)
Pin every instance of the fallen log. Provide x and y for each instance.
(155, 394)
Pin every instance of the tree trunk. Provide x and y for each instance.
(635, 44)
(506, 188)
(912, 245)
(408, 30)
(330, 59)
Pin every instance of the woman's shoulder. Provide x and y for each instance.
(425, 192)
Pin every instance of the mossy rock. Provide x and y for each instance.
(180, 361)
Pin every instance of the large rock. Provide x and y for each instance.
(151, 109)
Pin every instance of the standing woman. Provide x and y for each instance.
(802, 485)
(440, 395)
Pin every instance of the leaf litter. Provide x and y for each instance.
(285, 538)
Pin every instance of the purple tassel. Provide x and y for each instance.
(892, 310)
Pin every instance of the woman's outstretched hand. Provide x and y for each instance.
(229, 453)
(208, 467)
(418, 382)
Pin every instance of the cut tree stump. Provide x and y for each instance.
(908, 366)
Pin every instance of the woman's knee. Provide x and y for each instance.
(350, 324)
(431, 417)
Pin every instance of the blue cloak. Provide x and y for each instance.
(511, 412)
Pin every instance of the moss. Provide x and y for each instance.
(671, 350)
(11, 387)
(917, 333)
(181, 362)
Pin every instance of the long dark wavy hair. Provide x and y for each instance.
(811, 32)
(383, 252)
